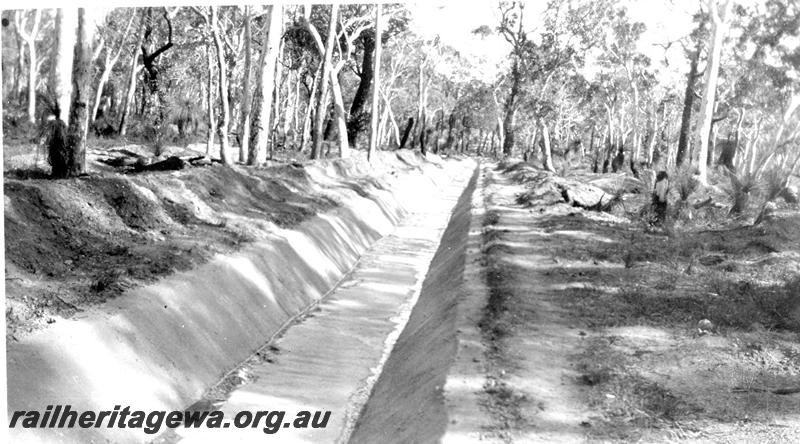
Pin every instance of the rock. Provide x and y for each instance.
(582, 195)
(705, 326)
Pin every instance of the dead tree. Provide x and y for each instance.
(157, 94)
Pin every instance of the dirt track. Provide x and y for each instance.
(590, 329)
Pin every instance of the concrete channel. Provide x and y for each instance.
(376, 350)
(370, 340)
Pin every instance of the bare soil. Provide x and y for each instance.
(72, 244)
(602, 328)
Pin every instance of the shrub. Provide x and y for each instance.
(740, 190)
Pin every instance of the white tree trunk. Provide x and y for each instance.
(288, 110)
(30, 41)
(376, 82)
(131, 93)
(265, 84)
(223, 124)
(306, 130)
(548, 156)
(60, 82)
(341, 116)
(244, 121)
(210, 119)
(718, 15)
(110, 61)
(322, 100)
(295, 108)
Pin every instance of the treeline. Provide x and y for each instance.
(303, 79)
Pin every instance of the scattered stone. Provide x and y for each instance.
(705, 326)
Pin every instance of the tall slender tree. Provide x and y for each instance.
(376, 87)
(265, 85)
(718, 10)
(79, 108)
(29, 34)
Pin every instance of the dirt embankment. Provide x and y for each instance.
(601, 328)
(74, 243)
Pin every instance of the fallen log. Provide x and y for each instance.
(168, 164)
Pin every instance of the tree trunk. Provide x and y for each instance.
(131, 92)
(728, 155)
(421, 106)
(376, 90)
(498, 115)
(384, 126)
(295, 108)
(369, 66)
(289, 111)
(718, 17)
(210, 118)
(276, 99)
(423, 133)
(19, 66)
(30, 40)
(635, 123)
(652, 144)
(110, 61)
(309, 109)
(407, 132)
(751, 168)
(451, 123)
(322, 100)
(60, 82)
(341, 122)
(246, 104)
(395, 128)
(223, 124)
(81, 79)
(688, 102)
(511, 109)
(32, 81)
(548, 156)
(265, 84)
(106, 74)
(439, 128)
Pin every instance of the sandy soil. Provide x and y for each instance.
(599, 328)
